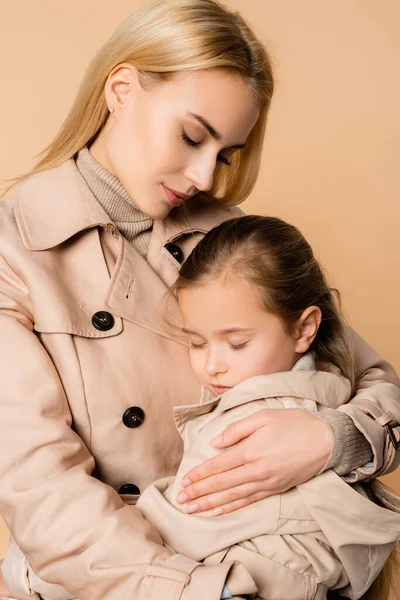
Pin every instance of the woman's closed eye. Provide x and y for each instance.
(193, 144)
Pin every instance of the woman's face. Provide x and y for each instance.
(166, 142)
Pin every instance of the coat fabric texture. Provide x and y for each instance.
(323, 534)
(88, 378)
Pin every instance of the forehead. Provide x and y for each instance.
(220, 302)
(222, 98)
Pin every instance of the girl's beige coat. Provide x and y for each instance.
(323, 534)
(65, 385)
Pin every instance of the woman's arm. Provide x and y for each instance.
(374, 410)
(280, 449)
(74, 530)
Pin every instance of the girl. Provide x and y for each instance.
(164, 137)
(265, 330)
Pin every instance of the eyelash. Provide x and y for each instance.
(194, 346)
(239, 346)
(194, 144)
(235, 348)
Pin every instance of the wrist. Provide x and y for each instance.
(350, 449)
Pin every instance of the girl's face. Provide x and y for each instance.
(231, 336)
(166, 142)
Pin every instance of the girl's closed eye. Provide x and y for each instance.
(193, 144)
(238, 346)
(197, 346)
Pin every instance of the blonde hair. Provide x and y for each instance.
(162, 39)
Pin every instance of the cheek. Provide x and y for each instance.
(161, 144)
(122, 148)
(197, 363)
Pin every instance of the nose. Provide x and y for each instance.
(201, 173)
(215, 363)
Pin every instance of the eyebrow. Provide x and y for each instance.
(217, 136)
(221, 331)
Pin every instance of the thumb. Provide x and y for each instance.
(235, 432)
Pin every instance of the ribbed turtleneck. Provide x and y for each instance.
(134, 225)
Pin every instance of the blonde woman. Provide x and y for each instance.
(163, 140)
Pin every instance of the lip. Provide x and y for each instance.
(174, 197)
(220, 389)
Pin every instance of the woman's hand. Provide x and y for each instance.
(4, 591)
(269, 452)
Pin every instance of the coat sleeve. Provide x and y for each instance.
(74, 530)
(375, 405)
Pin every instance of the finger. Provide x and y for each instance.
(226, 497)
(228, 480)
(239, 503)
(235, 432)
(218, 464)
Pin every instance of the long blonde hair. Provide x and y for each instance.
(162, 39)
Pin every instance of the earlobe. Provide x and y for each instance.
(120, 84)
(307, 328)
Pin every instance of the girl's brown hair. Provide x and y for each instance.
(275, 257)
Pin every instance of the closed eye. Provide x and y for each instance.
(188, 140)
(194, 346)
(238, 346)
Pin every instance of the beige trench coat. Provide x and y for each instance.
(321, 535)
(65, 386)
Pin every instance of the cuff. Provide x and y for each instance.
(15, 573)
(350, 448)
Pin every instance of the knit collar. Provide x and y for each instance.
(110, 193)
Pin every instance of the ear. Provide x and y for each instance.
(121, 82)
(307, 328)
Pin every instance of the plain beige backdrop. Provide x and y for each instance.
(331, 160)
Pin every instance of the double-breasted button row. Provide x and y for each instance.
(103, 320)
(175, 251)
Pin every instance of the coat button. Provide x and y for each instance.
(129, 488)
(176, 252)
(103, 321)
(133, 417)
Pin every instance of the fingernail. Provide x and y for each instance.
(191, 508)
(217, 440)
(217, 511)
(185, 482)
(182, 497)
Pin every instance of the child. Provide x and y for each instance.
(265, 331)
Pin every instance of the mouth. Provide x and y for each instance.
(220, 389)
(174, 197)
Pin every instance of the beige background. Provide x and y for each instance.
(331, 160)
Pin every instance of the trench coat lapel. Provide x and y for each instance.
(56, 205)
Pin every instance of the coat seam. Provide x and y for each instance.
(83, 393)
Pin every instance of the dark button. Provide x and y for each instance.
(175, 251)
(129, 488)
(103, 321)
(133, 417)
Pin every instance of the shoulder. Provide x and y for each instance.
(9, 231)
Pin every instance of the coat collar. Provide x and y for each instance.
(53, 206)
(326, 389)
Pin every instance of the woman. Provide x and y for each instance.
(173, 111)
